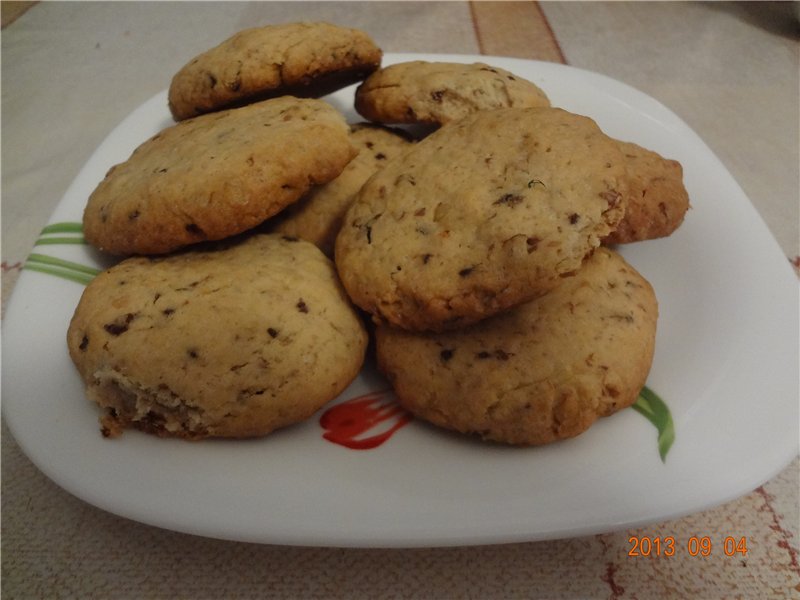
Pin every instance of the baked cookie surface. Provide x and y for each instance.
(216, 175)
(657, 198)
(232, 341)
(440, 92)
(318, 216)
(275, 60)
(484, 214)
(541, 372)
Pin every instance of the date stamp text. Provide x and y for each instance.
(700, 546)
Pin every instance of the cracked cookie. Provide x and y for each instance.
(484, 214)
(300, 59)
(233, 340)
(216, 175)
(541, 372)
(439, 92)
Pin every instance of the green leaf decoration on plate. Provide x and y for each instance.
(61, 233)
(61, 268)
(73, 230)
(656, 411)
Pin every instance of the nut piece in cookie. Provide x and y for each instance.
(216, 175)
(439, 92)
(301, 59)
(484, 214)
(541, 372)
(232, 341)
(318, 216)
(657, 198)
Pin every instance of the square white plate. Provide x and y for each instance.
(726, 364)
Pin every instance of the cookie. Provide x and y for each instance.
(657, 198)
(230, 341)
(484, 214)
(318, 216)
(541, 372)
(216, 175)
(440, 92)
(301, 59)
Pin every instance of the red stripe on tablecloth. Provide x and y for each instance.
(518, 29)
(551, 32)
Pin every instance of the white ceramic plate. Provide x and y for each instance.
(725, 364)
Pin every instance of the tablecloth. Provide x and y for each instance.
(71, 71)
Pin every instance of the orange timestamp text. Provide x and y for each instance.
(702, 546)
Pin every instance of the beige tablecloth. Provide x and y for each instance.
(72, 71)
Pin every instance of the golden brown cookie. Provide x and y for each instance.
(216, 175)
(318, 216)
(301, 59)
(234, 340)
(484, 214)
(657, 198)
(541, 372)
(440, 92)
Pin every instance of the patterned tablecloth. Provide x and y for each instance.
(72, 71)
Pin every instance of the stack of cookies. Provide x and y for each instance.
(211, 328)
(262, 222)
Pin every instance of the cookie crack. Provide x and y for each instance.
(383, 86)
(160, 411)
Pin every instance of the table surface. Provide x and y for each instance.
(72, 71)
